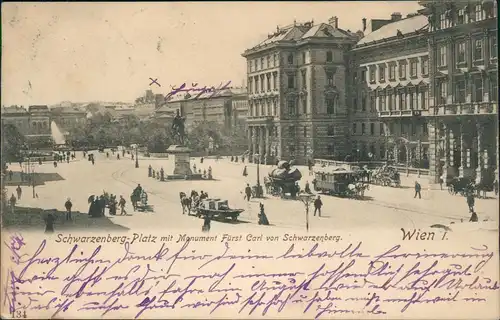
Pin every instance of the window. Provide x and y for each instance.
(363, 76)
(305, 132)
(442, 20)
(250, 66)
(262, 63)
(393, 102)
(382, 102)
(442, 55)
(381, 73)
(291, 81)
(363, 128)
(381, 129)
(414, 100)
(329, 56)
(424, 96)
(331, 149)
(372, 74)
(255, 64)
(268, 61)
(478, 12)
(403, 128)
(304, 77)
(494, 47)
(493, 89)
(460, 91)
(291, 107)
(363, 102)
(372, 129)
(402, 101)
(303, 58)
(354, 105)
(443, 91)
(372, 103)
(304, 105)
(413, 68)
(329, 77)
(251, 110)
(330, 131)
(290, 58)
(275, 58)
(291, 131)
(291, 149)
(256, 84)
(354, 128)
(402, 70)
(425, 67)
(425, 129)
(330, 105)
(392, 72)
(268, 76)
(262, 83)
(478, 89)
(250, 85)
(275, 81)
(461, 16)
(478, 49)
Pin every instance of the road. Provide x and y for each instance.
(384, 207)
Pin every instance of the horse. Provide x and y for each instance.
(185, 202)
(360, 188)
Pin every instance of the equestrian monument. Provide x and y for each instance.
(178, 154)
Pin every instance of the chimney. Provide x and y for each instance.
(396, 16)
(364, 24)
(334, 22)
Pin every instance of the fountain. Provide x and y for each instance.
(56, 133)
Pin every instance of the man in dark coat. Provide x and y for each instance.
(317, 206)
(68, 205)
(417, 190)
(248, 192)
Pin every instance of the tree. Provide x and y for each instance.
(13, 143)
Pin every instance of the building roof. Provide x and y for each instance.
(67, 110)
(324, 30)
(405, 26)
(38, 108)
(14, 110)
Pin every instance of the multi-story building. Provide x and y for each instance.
(18, 117)
(68, 117)
(464, 88)
(297, 92)
(390, 92)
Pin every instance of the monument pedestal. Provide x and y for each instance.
(178, 157)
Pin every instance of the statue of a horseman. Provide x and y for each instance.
(178, 128)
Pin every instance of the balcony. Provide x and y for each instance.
(473, 108)
(260, 119)
(402, 113)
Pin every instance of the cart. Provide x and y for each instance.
(217, 208)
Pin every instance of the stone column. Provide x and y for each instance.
(261, 144)
(449, 62)
(249, 140)
(480, 151)
(268, 147)
(463, 149)
(397, 106)
(446, 130)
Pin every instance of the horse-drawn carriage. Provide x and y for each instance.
(338, 182)
(217, 208)
(139, 199)
(283, 180)
(386, 176)
(460, 185)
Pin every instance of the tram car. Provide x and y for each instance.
(334, 181)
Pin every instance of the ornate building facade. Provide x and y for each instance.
(297, 92)
(464, 97)
(390, 93)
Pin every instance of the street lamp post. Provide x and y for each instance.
(136, 156)
(258, 191)
(306, 199)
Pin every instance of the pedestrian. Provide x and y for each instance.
(317, 206)
(262, 216)
(194, 168)
(150, 171)
(248, 192)
(67, 159)
(470, 201)
(68, 205)
(117, 156)
(154, 174)
(307, 188)
(13, 203)
(10, 175)
(201, 160)
(39, 161)
(441, 181)
(93, 161)
(107, 154)
(206, 223)
(162, 174)
(19, 192)
(132, 156)
(210, 173)
(417, 190)
(49, 223)
(232, 158)
(102, 205)
(122, 205)
(204, 173)
(245, 173)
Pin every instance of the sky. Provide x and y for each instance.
(81, 52)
